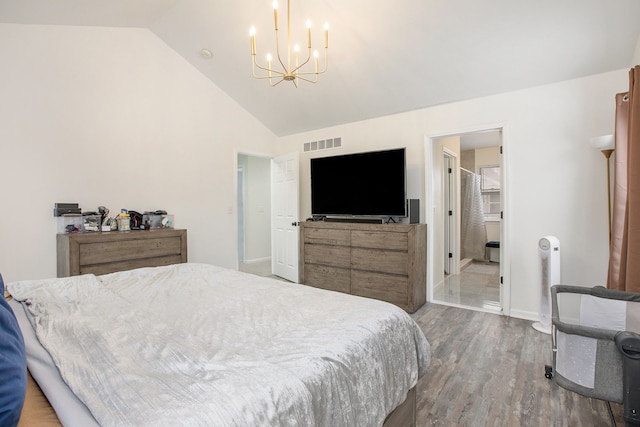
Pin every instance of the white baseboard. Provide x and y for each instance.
(526, 315)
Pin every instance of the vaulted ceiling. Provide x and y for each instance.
(384, 57)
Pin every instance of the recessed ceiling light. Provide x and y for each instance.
(206, 53)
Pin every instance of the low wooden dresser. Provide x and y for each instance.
(101, 253)
(381, 261)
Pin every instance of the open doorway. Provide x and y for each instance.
(267, 215)
(467, 238)
(254, 214)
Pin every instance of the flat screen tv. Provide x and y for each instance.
(361, 184)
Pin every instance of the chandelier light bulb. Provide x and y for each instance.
(275, 14)
(252, 34)
(315, 60)
(326, 35)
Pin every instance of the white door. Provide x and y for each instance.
(284, 219)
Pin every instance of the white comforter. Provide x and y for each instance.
(194, 344)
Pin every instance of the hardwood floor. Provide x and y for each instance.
(488, 370)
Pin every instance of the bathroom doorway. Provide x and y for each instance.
(468, 200)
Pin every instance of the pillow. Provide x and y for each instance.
(13, 365)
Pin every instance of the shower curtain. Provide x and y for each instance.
(473, 234)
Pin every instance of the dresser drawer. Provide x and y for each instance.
(379, 240)
(335, 256)
(380, 286)
(326, 277)
(380, 260)
(327, 237)
(127, 250)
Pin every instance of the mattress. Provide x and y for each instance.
(201, 345)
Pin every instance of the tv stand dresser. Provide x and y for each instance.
(381, 261)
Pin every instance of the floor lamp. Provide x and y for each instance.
(606, 144)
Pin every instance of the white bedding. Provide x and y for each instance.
(70, 410)
(194, 344)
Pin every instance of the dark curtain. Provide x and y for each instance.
(624, 259)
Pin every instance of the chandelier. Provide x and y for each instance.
(286, 71)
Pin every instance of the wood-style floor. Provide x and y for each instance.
(488, 370)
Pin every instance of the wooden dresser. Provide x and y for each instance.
(382, 261)
(101, 253)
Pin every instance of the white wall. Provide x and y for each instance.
(112, 116)
(556, 180)
(489, 156)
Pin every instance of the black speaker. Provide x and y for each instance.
(413, 210)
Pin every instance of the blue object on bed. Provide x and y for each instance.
(13, 365)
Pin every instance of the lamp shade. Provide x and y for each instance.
(604, 142)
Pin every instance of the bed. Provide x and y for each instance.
(196, 344)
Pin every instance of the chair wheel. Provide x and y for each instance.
(548, 372)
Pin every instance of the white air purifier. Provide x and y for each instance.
(549, 266)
